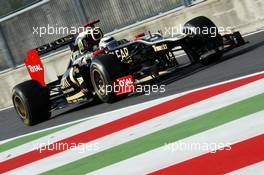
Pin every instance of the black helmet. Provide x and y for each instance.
(89, 38)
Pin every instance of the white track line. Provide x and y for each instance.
(144, 128)
(255, 169)
(238, 130)
(3, 109)
(253, 33)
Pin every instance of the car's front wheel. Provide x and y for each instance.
(205, 41)
(104, 70)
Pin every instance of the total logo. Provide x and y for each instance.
(35, 68)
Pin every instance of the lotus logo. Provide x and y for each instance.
(35, 68)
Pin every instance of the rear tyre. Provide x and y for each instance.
(103, 71)
(31, 102)
(204, 38)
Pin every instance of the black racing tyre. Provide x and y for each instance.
(103, 71)
(205, 37)
(31, 102)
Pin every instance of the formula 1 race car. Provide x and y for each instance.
(108, 69)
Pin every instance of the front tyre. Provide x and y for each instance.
(104, 70)
(205, 41)
(31, 102)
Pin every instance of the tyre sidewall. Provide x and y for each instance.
(35, 98)
(208, 41)
(111, 69)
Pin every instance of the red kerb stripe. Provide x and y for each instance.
(241, 155)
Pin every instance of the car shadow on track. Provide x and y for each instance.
(75, 107)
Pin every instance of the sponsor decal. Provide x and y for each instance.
(56, 44)
(124, 85)
(122, 54)
(80, 80)
(35, 66)
(160, 48)
(65, 84)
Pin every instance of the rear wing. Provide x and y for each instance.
(67, 40)
(33, 62)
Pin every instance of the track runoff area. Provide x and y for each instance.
(212, 130)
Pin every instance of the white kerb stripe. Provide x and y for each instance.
(255, 169)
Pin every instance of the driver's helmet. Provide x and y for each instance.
(88, 40)
(108, 43)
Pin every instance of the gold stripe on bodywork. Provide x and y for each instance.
(71, 77)
(76, 96)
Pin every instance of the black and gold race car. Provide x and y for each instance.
(108, 69)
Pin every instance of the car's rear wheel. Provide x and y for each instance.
(31, 102)
(205, 42)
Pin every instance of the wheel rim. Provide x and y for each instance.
(99, 82)
(20, 107)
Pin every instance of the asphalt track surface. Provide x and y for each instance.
(241, 61)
